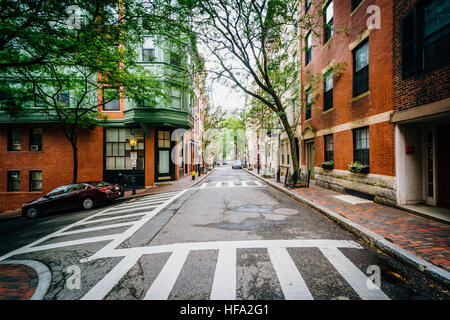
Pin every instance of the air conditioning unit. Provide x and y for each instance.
(34, 147)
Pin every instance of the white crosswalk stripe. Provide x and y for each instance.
(225, 283)
(230, 184)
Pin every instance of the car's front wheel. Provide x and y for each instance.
(32, 213)
(87, 203)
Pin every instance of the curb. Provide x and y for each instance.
(374, 239)
(43, 273)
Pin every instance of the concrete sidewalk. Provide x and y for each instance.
(418, 241)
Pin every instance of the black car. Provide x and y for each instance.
(73, 196)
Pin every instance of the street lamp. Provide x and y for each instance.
(133, 142)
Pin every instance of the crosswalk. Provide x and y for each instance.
(230, 184)
(118, 223)
(131, 215)
(224, 284)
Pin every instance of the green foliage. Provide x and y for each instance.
(328, 165)
(357, 167)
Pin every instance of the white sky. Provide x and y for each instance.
(230, 99)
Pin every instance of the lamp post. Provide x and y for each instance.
(133, 141)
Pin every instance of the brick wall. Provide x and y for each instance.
(420, 89)
(55, 161)
(348, 110)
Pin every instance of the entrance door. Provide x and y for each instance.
(443, 169)
(310, 157)
(164, 170)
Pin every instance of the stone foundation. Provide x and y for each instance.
(380, 186)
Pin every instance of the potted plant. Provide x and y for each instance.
(328, 165)
(357, 167)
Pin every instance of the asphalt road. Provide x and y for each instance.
(229, 237)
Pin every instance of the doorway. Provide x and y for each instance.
(310, 157)
(164, 167)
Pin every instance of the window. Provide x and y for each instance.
(36, 139)
(118, 150)
(63, 98)
(175, 59)
(13, 181)
(308, 104)
(328, 91)
(164, 139)
(57, 191)
(111, 99)
(426, 37)
(176, 97)
(355, 4)
(35, 180)
(329, 156)
(14, 139)
(308, 48)
(361, 145)
(328, 21)
(307, 6)
(148, 49)
(361, 68)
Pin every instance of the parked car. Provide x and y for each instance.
(83, 195)
(237, 164)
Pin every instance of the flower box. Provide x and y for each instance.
(328, 165)
(357, 167)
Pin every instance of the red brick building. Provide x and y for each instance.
(421, 50)
(36, 157)
(347, 117)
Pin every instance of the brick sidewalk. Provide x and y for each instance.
(179, 184)
(17, 282)
(427, 239)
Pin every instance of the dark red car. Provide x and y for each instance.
(81, 195)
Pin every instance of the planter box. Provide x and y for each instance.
(327, 166)
(364, 170)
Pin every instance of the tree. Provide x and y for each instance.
(253, 41)
(212, 121)
(64, 80)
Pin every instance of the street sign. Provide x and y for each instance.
(133, 159)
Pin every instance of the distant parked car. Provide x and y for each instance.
(237, 164)
(81, 195)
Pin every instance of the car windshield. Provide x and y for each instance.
(57, 191)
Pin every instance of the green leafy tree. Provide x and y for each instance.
(256, 42)
(63, 73)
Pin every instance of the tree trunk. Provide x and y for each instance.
(291, 137)
(75, 160)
